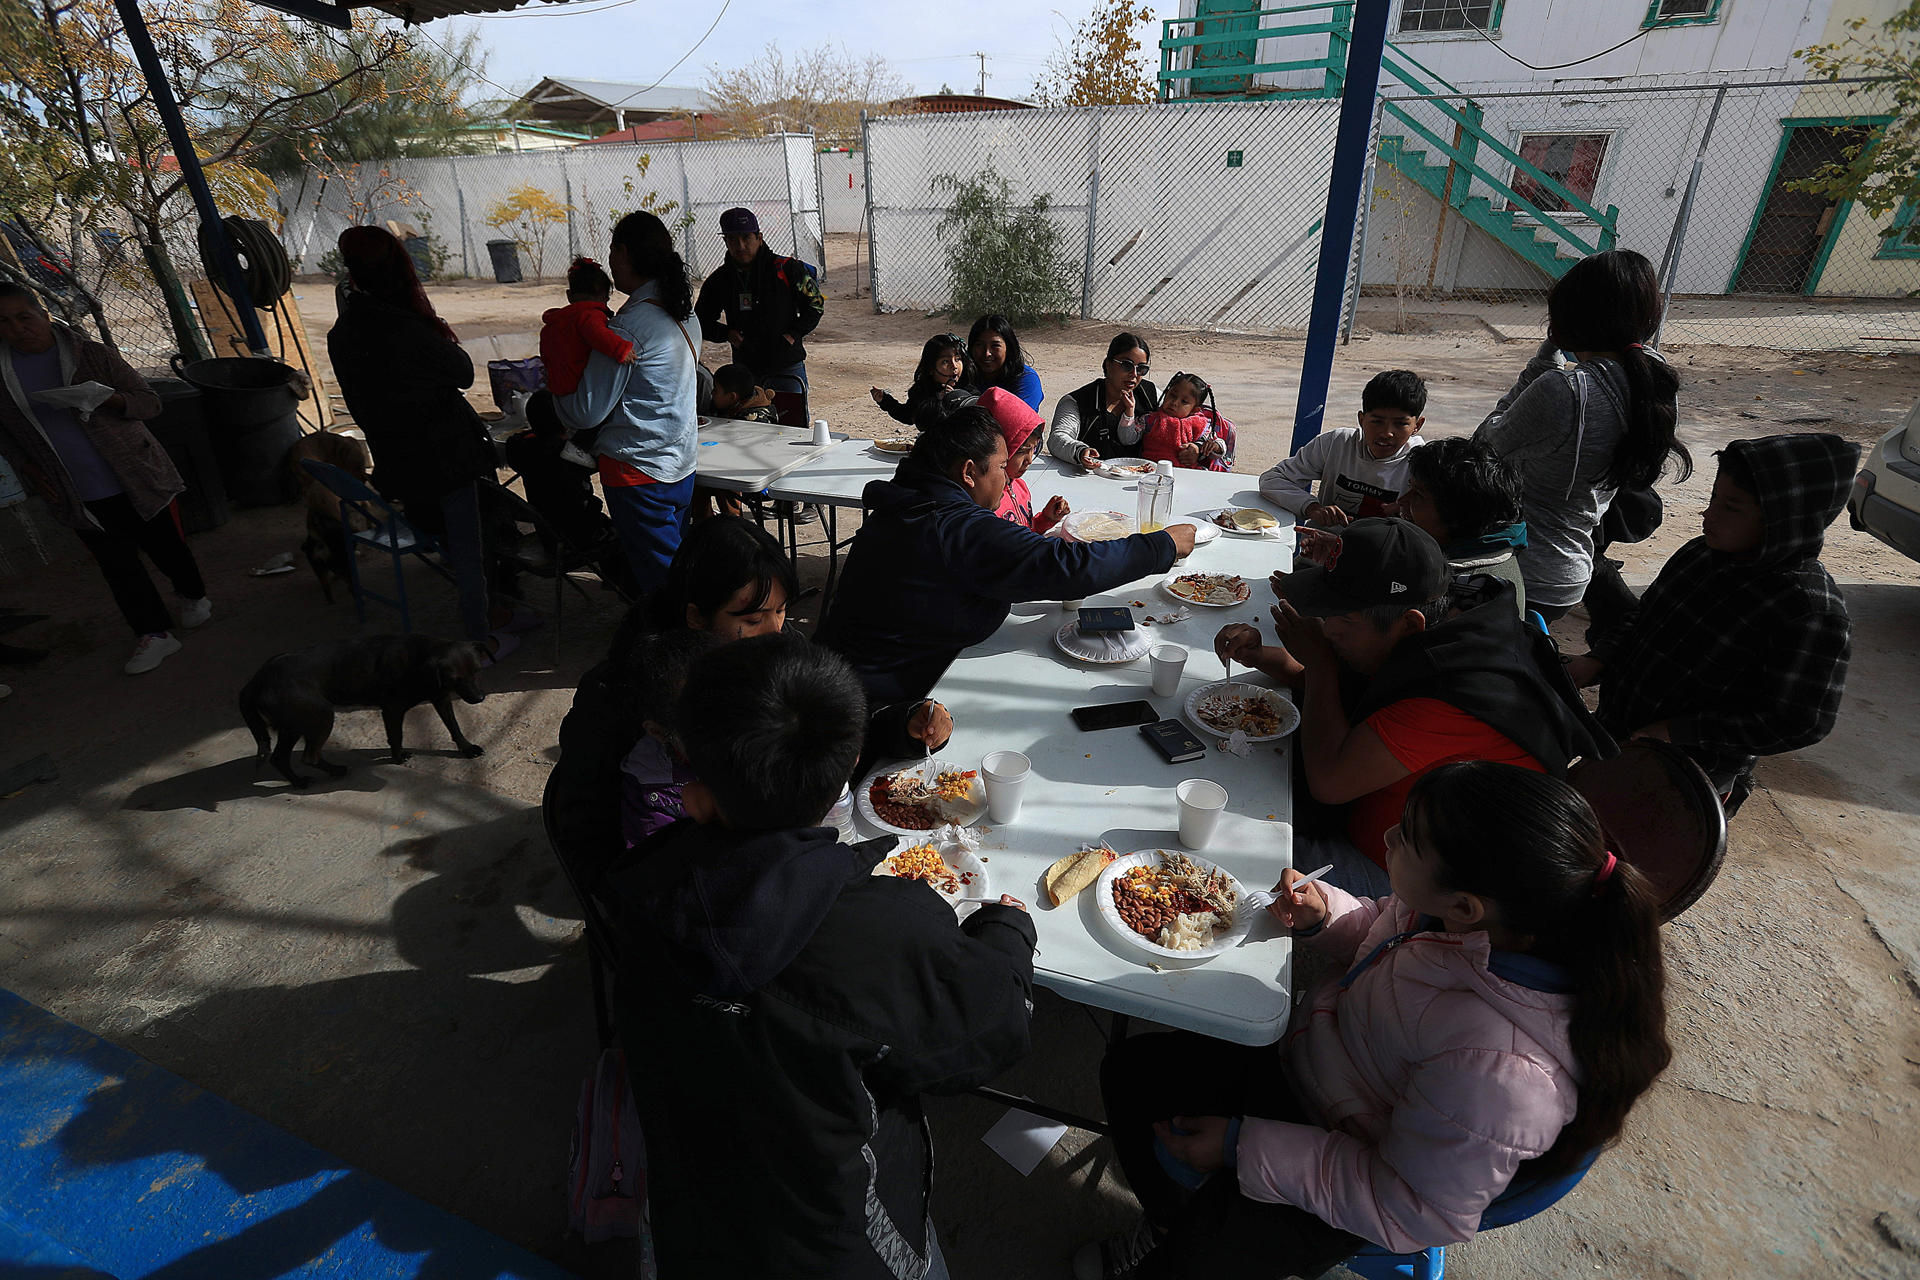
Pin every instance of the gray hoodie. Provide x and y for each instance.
(1559, 426)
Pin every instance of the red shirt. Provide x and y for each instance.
(569, 334)
(1422, 734)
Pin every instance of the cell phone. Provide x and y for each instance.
(1111, 618)
(1114, 715)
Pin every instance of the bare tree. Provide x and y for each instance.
(822, 90)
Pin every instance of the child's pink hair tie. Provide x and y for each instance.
(1605, 873)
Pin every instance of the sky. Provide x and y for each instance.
(639, 40)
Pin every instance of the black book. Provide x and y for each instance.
(1175, 741)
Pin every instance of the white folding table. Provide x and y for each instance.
(1015, 691)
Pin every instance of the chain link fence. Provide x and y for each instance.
(1200, 214)
(94, 274)
(1697, 177)
(552, 205)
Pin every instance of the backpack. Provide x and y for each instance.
(607, 1168)
(780, 271)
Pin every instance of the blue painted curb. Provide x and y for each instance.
(114, 1169)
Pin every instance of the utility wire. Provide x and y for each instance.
(1560, 66)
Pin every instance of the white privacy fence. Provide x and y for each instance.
(1201, 214)
(585, 190)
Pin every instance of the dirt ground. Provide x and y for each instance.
(390, 966)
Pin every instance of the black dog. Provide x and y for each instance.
(297, 692)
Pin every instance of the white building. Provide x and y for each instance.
(1494, 175)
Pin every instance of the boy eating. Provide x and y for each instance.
(1739, 648)
(1360, 470)
(783, 1008)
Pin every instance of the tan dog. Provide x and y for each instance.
(327, 545)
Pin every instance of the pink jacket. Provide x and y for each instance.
(1434, 1076)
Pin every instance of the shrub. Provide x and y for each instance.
(1002, 256)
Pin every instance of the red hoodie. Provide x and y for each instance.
(569, 334)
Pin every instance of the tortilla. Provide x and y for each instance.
(1075, 872)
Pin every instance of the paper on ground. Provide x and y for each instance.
(1023, 1139)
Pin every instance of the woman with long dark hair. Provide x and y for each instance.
(1578, 435)
(994, 349)
(1107, 417)
(1505, 1009)
(402, 372)
(643, 411)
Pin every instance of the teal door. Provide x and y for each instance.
(1236, 31)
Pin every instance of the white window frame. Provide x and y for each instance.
(1395, 34)
(1615, 132)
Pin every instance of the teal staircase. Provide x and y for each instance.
(1414, 136)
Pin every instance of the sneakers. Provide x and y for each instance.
(794, 511)
(579, 457)
(1116, 1257)
(151, 652)
(194, 613)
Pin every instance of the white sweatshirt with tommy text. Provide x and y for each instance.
(1348, 476)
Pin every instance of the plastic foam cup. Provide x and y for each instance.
(1201, 802)
(820, 433)
(1168, 660)
(1005, 774)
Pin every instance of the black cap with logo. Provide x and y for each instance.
(1376, 561)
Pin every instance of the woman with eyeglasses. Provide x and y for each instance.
(1107, 417)
(998, 362)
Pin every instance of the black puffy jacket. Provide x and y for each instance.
(782, 1011)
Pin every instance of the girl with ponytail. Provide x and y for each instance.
(1579, 434)
(1502, 1012)
(642, 412)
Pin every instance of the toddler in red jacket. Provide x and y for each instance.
(569, 334)
(1187, 429)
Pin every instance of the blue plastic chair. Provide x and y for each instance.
(387, 530)
(1518, 1202)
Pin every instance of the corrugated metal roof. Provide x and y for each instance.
(580, 100)
(428, 10)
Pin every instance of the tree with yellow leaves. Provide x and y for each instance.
(1102, 65)
(87, 162)
(821, 90)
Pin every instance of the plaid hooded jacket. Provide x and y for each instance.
(1743, 656)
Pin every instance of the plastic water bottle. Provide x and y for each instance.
(840, 817)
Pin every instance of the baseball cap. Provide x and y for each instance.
(738, 222)
(1377, 561)
(1016, 418)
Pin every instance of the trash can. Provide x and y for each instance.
(252, 420)
(506, 260)
(420, 249)
(181, 430)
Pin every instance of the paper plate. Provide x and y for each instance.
(704, 420)
(959, 815)
(1107, 648)
(1097, 526)
(1115, 468)
(1270, 534)
(970, 874)
(893, 446)
(1289, 714)
(1204, 529)
(1166, 585)
(1223, 939)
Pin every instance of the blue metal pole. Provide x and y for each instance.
(169, 112)
(1343, 207)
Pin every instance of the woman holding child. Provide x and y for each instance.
(1107, 417)
(1578, 435)
(643, 410)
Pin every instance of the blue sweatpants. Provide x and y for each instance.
(649, 519)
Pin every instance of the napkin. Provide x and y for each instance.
(1237, 744)
(960, 837)
(1179, 613)
(82, 397)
